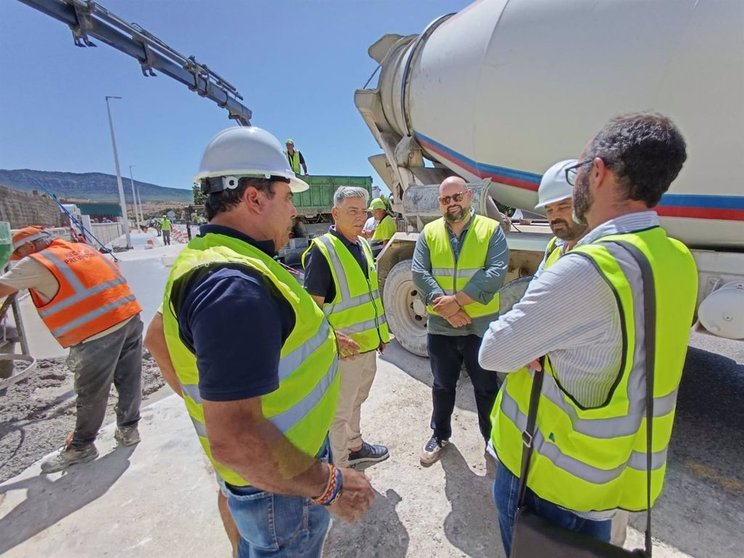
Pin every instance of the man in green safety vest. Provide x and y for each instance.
(341, 276)
(165, 227)
(459, 264)
(261, 393)
(585, 316)
(295, 158)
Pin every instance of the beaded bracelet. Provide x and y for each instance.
(333, 488)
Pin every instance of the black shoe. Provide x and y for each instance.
(432, 450)
(368, 453)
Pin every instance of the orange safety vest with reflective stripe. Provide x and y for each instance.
(92, 297)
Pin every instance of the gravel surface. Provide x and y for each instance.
(37, 413)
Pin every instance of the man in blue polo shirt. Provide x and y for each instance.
(261, 393)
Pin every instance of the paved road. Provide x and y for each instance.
(702, 509)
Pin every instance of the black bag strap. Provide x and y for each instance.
(649, 326)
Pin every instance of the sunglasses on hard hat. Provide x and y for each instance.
(457, 198)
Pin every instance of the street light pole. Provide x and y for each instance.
(134, 198)
(119, 184)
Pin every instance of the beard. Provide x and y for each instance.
(582, 199)
(567, 231)
(456, 213)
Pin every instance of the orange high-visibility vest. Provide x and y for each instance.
(92, 297)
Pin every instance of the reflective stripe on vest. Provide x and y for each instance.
(92, 296)
(589, 459)
(452, 275)
(357, 308)
(304, 404)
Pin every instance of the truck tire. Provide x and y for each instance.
(404, 309)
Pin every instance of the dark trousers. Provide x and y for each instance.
(115, 358)
(447, 355)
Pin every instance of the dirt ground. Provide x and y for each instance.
(37, 413)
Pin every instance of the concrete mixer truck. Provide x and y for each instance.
(501, 90)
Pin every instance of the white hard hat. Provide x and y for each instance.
(553, 185)
(246, 151)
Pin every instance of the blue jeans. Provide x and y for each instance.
(275, 524)
(506, 498)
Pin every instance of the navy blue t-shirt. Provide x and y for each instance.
(235, 322)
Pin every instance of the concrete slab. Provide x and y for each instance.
(155, 499)
(158, 499)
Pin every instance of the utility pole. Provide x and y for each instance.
(122, 202)
(134, 198)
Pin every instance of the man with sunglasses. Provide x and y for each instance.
(459, 265)
(583, 321)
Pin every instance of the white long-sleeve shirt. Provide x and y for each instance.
(569, 312)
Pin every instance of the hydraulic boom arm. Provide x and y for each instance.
(88, 19)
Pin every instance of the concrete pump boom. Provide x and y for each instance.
(88, 19)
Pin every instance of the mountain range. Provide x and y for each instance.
(92, 186)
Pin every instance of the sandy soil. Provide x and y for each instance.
(37, 413)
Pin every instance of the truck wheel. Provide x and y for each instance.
(405, 311)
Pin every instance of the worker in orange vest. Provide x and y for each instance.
(84, 300)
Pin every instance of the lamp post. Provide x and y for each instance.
(122, 203)
(134, 198)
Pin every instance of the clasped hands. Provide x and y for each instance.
(451, 310)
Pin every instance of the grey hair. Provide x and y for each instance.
(345, 192)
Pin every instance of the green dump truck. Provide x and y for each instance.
(314, 211)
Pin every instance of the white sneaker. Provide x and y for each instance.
(432, 450)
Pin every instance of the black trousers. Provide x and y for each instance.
(447, 355)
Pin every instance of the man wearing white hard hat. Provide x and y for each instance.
(554, 196)
(254, 356)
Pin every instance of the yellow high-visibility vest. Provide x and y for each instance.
(357, 307)
(304, 404)
(451, 275)
(294, 161)
(594, 459)
(553, 251)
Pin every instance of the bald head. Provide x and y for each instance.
(453, 184)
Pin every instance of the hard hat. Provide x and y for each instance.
(26, 235)
(377, 203)
(289, 141)
(553, 185)
(245, 151)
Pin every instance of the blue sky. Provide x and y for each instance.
(296, 64)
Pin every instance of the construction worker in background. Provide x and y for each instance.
(459, 264)
(554, 196)
(261, 393)
(84, 300)
(165, 227)
(385, 228)
(371, 223)
(295, 158)
(341, 277)
(586, 316)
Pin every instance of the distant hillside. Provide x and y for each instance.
(93, 186)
